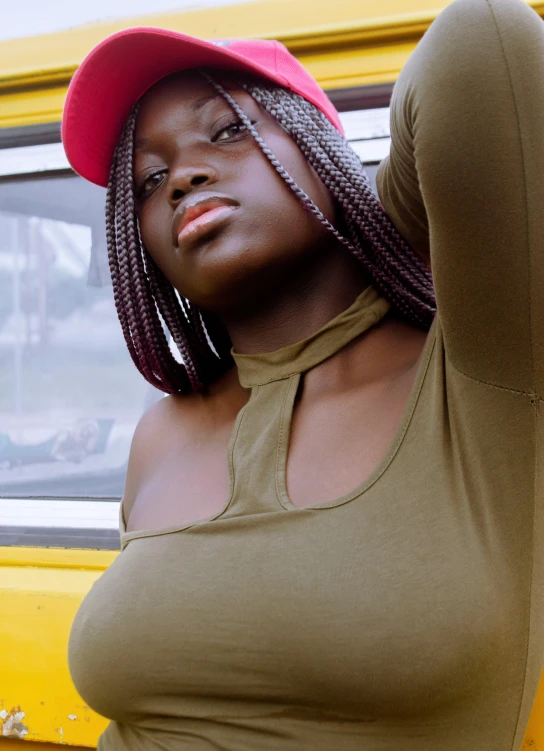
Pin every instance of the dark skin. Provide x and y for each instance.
(265, 271)
(274, 275)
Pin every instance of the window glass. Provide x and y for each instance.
(70, 396)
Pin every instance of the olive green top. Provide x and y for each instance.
(407, 615)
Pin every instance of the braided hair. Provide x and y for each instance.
(147, 303)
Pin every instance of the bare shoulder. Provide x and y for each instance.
(171, 414)
(175, 412)
(177, 420)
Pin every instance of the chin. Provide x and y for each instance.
(224, 277)
(223, 299)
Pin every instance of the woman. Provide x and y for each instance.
(374, 578)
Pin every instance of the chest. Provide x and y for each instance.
(334, 442)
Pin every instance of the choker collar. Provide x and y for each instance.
(265, 367)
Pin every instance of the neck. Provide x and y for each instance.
(302, 305)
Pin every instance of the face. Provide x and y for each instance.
(214, 214)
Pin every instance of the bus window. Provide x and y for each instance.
(70, 396)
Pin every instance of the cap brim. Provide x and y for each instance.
(114, 76)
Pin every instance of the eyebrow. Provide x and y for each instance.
(196, 106)
(204, 100)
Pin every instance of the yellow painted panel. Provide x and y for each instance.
(31, 107)
(40, 592)
(359, 66)
(87, 560)
(534, 737)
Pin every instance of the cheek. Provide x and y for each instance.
(292, 159)
(155, 228)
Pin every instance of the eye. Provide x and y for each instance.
(145, 187)
(232, 132)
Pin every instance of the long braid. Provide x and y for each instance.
(329, 154)
(119, 262)
(328, 151)
(408, 290)
(142, 293)
(178, 319)
(136, 304)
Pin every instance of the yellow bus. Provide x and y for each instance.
(69, 395)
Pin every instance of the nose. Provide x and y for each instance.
(185, 178)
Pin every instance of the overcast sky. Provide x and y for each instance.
(26, 17)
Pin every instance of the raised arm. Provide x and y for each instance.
(464, 182)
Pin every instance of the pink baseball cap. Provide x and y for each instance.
(118, 71)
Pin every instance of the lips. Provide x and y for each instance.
(200, 215)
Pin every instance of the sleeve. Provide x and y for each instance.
(464, 184)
